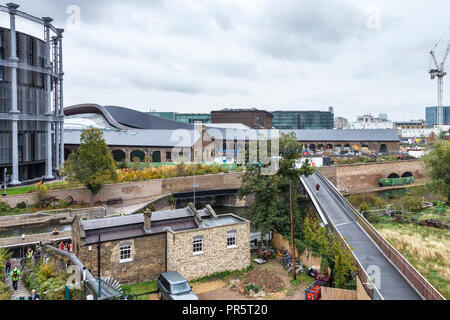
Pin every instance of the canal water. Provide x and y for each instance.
(17, 232)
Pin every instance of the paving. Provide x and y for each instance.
(33, 239)
(392, 285)
(21, 291)
(130, 206)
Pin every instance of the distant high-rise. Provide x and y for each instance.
(431, 115)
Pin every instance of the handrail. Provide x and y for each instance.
(414, 277)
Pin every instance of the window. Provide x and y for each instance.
(231, 239)
(125, 252)
(198, 244)
(168, 156)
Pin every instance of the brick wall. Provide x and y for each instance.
(216, 257)
(138, 189)
(355, 178)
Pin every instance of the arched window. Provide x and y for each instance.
(139, 154)
(118, 155)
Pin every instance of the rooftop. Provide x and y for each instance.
(131, 226)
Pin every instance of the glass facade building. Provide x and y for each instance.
(184, 117)
(303, 120)
(431, 115)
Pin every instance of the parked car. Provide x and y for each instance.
(172, 286)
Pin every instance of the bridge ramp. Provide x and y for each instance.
(391, 285)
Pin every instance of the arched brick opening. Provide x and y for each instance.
(118, 155)
(346, 146)
(393, 175)
(383, 148)
(312, 147)
(329, 146)
(320, 146)
(137, 153)
(337, 147)
(407, 174)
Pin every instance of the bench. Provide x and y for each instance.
(114, 201)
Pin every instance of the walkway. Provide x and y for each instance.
(21, 290)
(392, 285)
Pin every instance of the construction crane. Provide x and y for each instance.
(439, 73)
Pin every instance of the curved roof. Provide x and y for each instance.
(125, 118)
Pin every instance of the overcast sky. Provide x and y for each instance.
(196, 56)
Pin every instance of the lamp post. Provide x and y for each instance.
(5, 182)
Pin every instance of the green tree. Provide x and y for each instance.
(437, 164)
(342, 263)
(92, 164)
(270, 210)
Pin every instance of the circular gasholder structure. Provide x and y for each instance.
(31, 99)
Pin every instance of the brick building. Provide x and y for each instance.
(139, 247)
(253, 118)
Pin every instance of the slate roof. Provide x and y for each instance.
(346, 135)
(365, 135)
(157, 138)
(131, 226)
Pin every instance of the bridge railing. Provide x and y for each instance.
(366, 281)
(414, 277)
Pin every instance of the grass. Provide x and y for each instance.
(224, 275)
(31, 188)
(139, 288)
(426, 248)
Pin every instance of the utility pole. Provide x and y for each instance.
(292, 229)
(98, 267)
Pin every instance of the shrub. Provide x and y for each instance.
(21, 205)
(42, 191)
(4, 207)
(253, 287)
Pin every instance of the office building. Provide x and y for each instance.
(296, 120)
(253, 118)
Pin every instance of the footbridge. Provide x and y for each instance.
(392, 277)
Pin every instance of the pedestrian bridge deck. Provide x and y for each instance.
(390, 283)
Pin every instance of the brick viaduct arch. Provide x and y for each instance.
(347, 145)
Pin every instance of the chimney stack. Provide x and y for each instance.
(147, 219)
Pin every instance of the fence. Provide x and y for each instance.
(426, 290)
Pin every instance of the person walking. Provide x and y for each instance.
(317, 187)
(15, 274)
(34, 295)
(30, 253)
(8, 266)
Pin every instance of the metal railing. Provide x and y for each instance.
(414, 277)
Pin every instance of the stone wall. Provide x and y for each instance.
(148, 254)
(365, 177)
(216, 256)
(138, 189)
